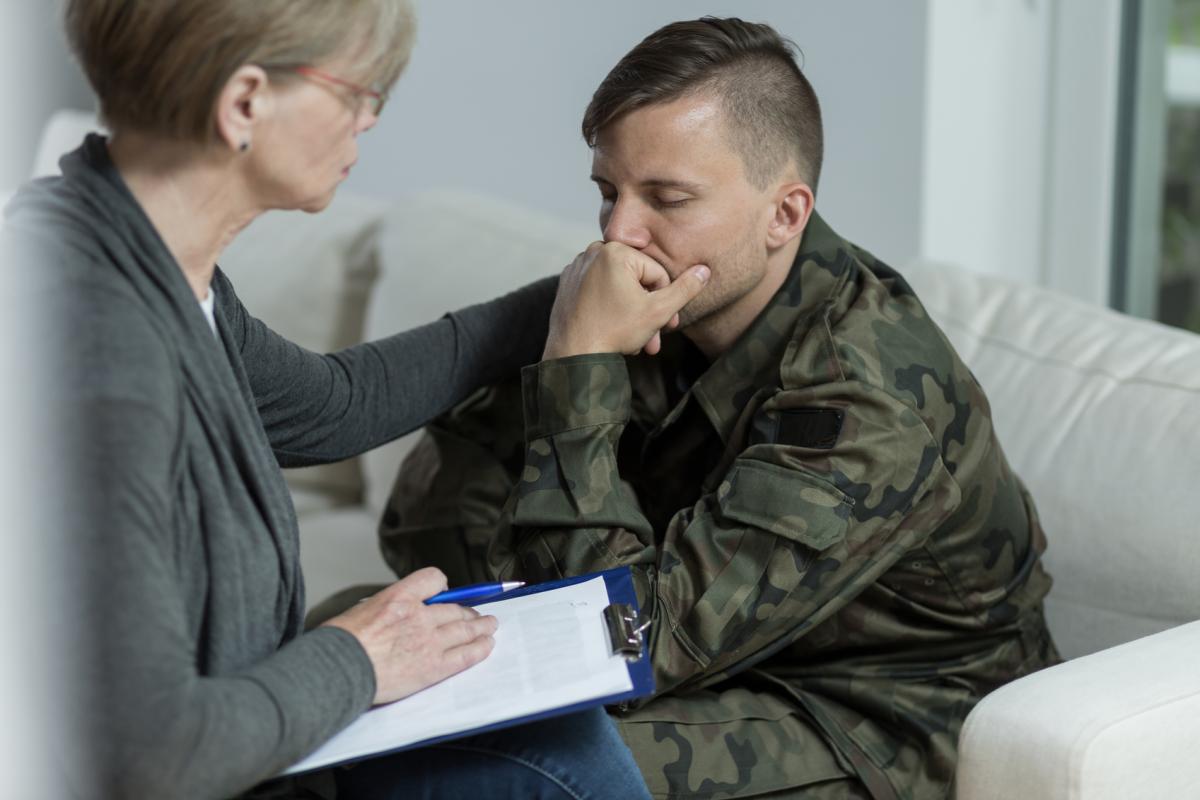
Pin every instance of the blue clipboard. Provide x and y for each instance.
(627, 634)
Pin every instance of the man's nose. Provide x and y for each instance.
(626, 225)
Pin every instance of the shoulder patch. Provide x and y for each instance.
(818, 428)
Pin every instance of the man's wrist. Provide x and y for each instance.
(558, 349)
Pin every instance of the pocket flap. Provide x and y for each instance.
(792, 503)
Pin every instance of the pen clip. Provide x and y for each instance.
(625, 632)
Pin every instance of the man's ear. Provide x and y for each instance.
(240, 106)
(792, 207)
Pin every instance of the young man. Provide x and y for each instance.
(836, 558)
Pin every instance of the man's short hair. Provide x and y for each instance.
(158, 67)
(771, 110)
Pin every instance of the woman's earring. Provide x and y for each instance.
(245, 145)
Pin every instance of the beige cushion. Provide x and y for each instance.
(62, 133)
(1121, 724)
(338, 549)
(309, 278)
(1098, 412)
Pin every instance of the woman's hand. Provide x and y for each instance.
(412, 645)
(615, 299)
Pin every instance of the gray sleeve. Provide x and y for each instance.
(321, 408)
(158, 726)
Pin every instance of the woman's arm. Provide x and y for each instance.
(322, 408)
(163, 713)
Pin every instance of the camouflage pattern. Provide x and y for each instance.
(825, 613)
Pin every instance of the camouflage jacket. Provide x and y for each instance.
(823, 514)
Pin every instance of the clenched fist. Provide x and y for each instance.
(615, 299)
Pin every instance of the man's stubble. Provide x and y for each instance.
(735, 273)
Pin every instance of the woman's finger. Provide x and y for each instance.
(454, 633)
(468, 654)
(445, 613)
(420, 585)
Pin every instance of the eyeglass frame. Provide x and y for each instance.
(377, 97)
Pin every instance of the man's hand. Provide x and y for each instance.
(412, 645)
(615, 299)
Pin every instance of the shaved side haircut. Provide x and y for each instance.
(772, 116)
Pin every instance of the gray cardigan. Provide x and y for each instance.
(197, 679)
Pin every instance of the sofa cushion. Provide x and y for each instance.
(338, 549)
(1113, 725)
(62, 133)
(1097, 412)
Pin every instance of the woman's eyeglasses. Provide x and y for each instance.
(366, 97)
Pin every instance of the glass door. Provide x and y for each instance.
(1179, 273)
(1156, 263)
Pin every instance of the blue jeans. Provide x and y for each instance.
(576, 757)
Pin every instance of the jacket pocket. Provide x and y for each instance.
(733, 743)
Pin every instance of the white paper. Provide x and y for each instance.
(552, 650)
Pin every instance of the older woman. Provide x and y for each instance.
(175, 409)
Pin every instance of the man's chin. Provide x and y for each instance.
(695, 312)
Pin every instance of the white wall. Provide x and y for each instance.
(1020, 140)
(41, 71)
(27, 679)
(985, 134)
(495, 92)
(1081, 148)
(972, 131)
(14, 94)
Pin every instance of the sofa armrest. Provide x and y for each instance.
(1120, 723)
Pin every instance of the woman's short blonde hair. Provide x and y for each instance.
(158, 66)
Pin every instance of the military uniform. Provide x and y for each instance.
(836, 557)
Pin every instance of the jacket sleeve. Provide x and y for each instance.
(319, 408)
(788, 536)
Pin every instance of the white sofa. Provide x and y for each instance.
(1099, 413)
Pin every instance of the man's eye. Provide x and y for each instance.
(664, 202)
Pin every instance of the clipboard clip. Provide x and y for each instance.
(625, 631)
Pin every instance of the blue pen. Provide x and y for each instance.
(475, 592)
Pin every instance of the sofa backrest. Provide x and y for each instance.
(1099, 413)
